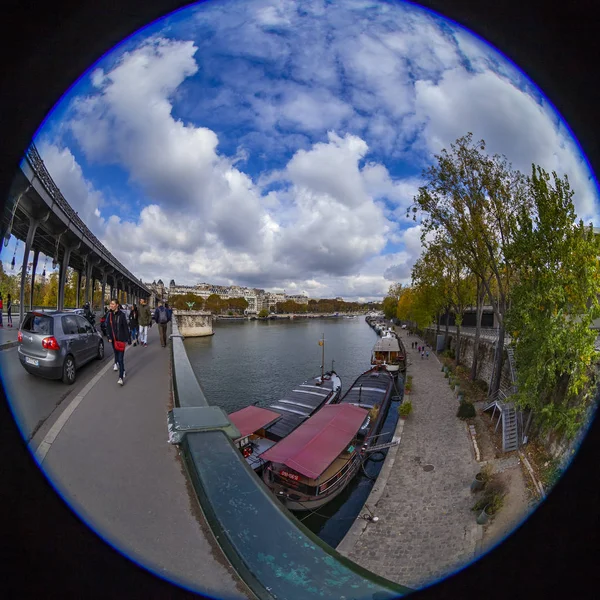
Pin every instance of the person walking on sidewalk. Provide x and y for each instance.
(1, 309)
(134, 323)
(9, 311)
(118, 335)
(144, 321)
(162, 317)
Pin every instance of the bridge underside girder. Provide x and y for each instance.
(58, 228)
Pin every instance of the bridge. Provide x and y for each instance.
(192, 512)
(38, 214)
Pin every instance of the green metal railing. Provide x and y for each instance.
(273, 553)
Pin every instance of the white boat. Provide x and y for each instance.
(389, 353)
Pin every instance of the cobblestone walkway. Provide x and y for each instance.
(426, 529)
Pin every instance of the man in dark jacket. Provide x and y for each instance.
(162, 317)
(144, 321)
(118, 335)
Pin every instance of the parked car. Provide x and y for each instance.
(56, 344)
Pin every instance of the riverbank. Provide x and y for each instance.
(425, 528)
(275, 317)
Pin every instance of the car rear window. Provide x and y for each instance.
(38, 324)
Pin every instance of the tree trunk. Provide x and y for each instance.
(437, 324)
(480, 297)
(457, 351)
(447, 328)
(499, 360)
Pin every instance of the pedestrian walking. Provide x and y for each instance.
(1, 309)
(422, 354)
(134, 324)
(9, 312)
(144, 321)
(161, 316)
(118, 336)
(427, 354)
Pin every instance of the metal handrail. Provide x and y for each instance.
(39, 168)
(264, 543)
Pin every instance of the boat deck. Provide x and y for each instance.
(260, 445)
(300, 403)
(370, 389)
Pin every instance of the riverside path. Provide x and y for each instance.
(426, 529)
(108, 454)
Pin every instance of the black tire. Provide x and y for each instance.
(68, 376)
(100, 350)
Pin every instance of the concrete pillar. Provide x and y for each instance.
(33, 225)
(36, 255)
(78, 290)
(103, 296)
(88, 281)
(62, 277)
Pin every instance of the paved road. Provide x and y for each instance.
(34, 399)
(426, 529)
(106, 451)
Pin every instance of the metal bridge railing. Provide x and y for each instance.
(39, 168)
(273, 553)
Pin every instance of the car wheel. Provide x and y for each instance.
(69, 370)
(100, 350)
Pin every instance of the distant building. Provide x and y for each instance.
(257, 299)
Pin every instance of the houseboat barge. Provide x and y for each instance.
(314, 464)
(262, 428)
(389, 352)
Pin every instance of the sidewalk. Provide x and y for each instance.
(108, 455)
(426, 529)
(8, 335)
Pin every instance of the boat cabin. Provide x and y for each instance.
(387, 352)
(252, 423)
(317, 460)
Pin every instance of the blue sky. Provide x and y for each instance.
(277, 144)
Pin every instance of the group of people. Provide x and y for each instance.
(424, 352)
(9, 322)
(123, 330)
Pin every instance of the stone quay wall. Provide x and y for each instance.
(194, 323)
(486, 351)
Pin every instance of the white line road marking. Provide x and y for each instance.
(42, 450)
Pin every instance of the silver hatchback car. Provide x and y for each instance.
(55, 344)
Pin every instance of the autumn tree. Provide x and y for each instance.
(554, 302)
(214, 303)
(471, 199)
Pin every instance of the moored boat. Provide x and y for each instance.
(316, 462)
(389, 353)
(262, 428)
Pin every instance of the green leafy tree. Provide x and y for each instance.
(554, 303)
(180, 301)
(214, 304)
(471, 200)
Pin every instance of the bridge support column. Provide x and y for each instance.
(88, 280)
(36, 255)
(78, 292)
(33, 225)
(103, 296)
(62, 277)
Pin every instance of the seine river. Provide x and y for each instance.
(259, 361)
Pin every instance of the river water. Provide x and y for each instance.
(259, 361)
